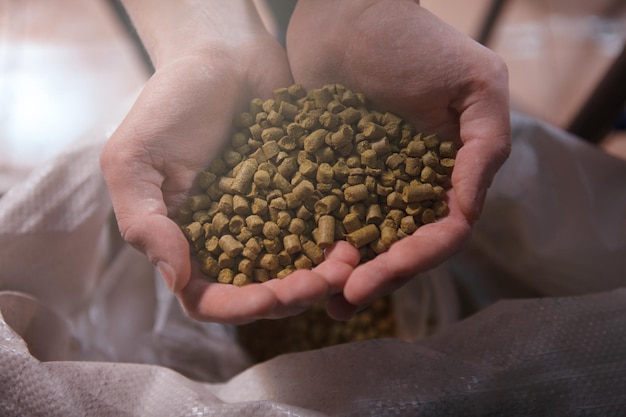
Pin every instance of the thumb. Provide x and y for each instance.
(141, 214)
(162, 241)
(485, 131)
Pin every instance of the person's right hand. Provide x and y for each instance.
(176, 127)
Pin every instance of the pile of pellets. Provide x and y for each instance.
(314, 329)
(305, 169)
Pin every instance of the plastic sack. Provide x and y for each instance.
(554, 222)
(60, 246)
(86, 328)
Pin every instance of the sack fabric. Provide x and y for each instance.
(88, 329)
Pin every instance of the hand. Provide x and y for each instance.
(408, 62)
(175, 128)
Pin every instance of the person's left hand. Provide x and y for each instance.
(407, 61)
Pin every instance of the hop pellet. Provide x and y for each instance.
(303, 170)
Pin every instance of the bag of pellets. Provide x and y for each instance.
(527, 320)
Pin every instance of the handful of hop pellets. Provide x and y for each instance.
(305, 169)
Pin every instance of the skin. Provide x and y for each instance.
(211, 57)
(409, 62)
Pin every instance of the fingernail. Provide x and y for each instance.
(167, 272)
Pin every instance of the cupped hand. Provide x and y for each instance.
(407, 61)
(176, 127)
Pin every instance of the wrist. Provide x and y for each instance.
(174, 29)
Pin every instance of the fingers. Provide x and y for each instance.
(277, 298)
(341, 258)
(427, 247)
(226, 303)
(338, 308)
(229, 304)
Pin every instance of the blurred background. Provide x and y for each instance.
(64, 64)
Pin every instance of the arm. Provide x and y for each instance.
(407, 61)
(174, 28)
